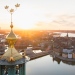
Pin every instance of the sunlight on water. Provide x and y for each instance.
(69, 34)
(46, 66)
(37, 51)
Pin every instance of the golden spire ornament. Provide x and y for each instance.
(11, 54)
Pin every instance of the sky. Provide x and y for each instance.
(39, 14)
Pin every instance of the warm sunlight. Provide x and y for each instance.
(26, 27)
(23, 23)
(50, 13)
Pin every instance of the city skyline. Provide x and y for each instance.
(42, 15)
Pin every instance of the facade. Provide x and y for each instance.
(57, 52)
(2, 44)
(64, 55)
(67, 53)
(73, 54)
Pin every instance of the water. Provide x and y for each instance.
(69, 34)
(37, 51)
(48, 66)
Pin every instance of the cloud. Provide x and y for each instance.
(61, 22)
(66, 20)
(40, 24)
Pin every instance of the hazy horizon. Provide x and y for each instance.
(39, 14)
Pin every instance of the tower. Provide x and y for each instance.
(12, 62)
(67, 39)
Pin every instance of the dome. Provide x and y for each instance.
(11, 36)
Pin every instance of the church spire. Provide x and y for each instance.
(11, 54)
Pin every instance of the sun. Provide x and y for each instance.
(24, 22)
(24, 25)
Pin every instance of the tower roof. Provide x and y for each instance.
(11, 54)
(11, 35)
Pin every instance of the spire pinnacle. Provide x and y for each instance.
(11, 55)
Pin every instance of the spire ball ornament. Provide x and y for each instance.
(11, 26)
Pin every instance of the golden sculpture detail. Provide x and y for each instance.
(11, 54)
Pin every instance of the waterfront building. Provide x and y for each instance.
(2, 44)
(57, 52)
(67, 53)
(64, 55)
(73, 54)
(2, 47)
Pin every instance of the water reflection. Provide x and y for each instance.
(48, 65)
(65, 62)
(57, 60)
(68, 62)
